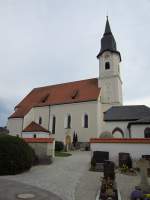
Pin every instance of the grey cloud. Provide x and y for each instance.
(48, 42)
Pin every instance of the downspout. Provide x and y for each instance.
(22, 125)
(49, 120)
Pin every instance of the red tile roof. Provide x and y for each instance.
(120, 140)
(39, 140)
(73, 92)
(34, 127)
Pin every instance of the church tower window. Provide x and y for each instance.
(53, 125)
(107, 65)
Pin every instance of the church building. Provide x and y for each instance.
(90, 108)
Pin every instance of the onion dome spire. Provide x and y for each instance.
(108, 42)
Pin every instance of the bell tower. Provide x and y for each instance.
(109, 69)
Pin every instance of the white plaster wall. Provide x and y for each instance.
(137, 131)
(51, 149)
(110, 126)
(28, 118)
(35, 113)
(136, 150)
(76, 110)
(14, 125)
(100, 116)
(38, 134)
(43, 149)
(111, 90)
(44, 113)
(114, 61)
(110, 80)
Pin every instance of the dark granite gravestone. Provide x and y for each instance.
(100, 156)
(109, 169)
(125, 159)
(147, 157)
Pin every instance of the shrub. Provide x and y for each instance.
(124, 168)
(16, 155)
(59, 146)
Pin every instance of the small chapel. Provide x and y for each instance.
(91, 108)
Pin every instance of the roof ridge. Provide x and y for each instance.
(65, 83)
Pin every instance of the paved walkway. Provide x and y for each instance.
(62, 177)
(9, 190)
(88, 186)
(70, 179)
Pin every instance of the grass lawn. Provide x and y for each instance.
(62, 154)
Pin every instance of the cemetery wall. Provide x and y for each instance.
(136, 147)
(42, 146)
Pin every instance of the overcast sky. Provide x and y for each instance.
(45, 42)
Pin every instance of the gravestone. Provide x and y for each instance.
(100, 156)
(144, 165)
(125, 159)
(109, 169)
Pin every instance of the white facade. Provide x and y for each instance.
(35, 135)
(114, 126)
(137, 130)
(77, 111)
(34, 114)
(15, 126)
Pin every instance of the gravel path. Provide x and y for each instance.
(69, 178)
(88, 186)
(61, 177)
(9, 190)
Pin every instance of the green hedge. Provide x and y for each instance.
(59, 146)
(16, 155)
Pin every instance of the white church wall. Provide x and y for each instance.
(35, 113)
(14, 126)
(38, 134)
(76, 110)
(100, 117)
(42, 112)
(137, 130)
(28, 118)
(110, 126)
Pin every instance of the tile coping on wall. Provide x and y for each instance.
(120, 140)
(39, 140)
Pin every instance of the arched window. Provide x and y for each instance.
(69, 121)
(34, 135)
(118, 133)
(85, 121)
(40, 120)
(53, 125)
(147, 132)
(107, 65)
